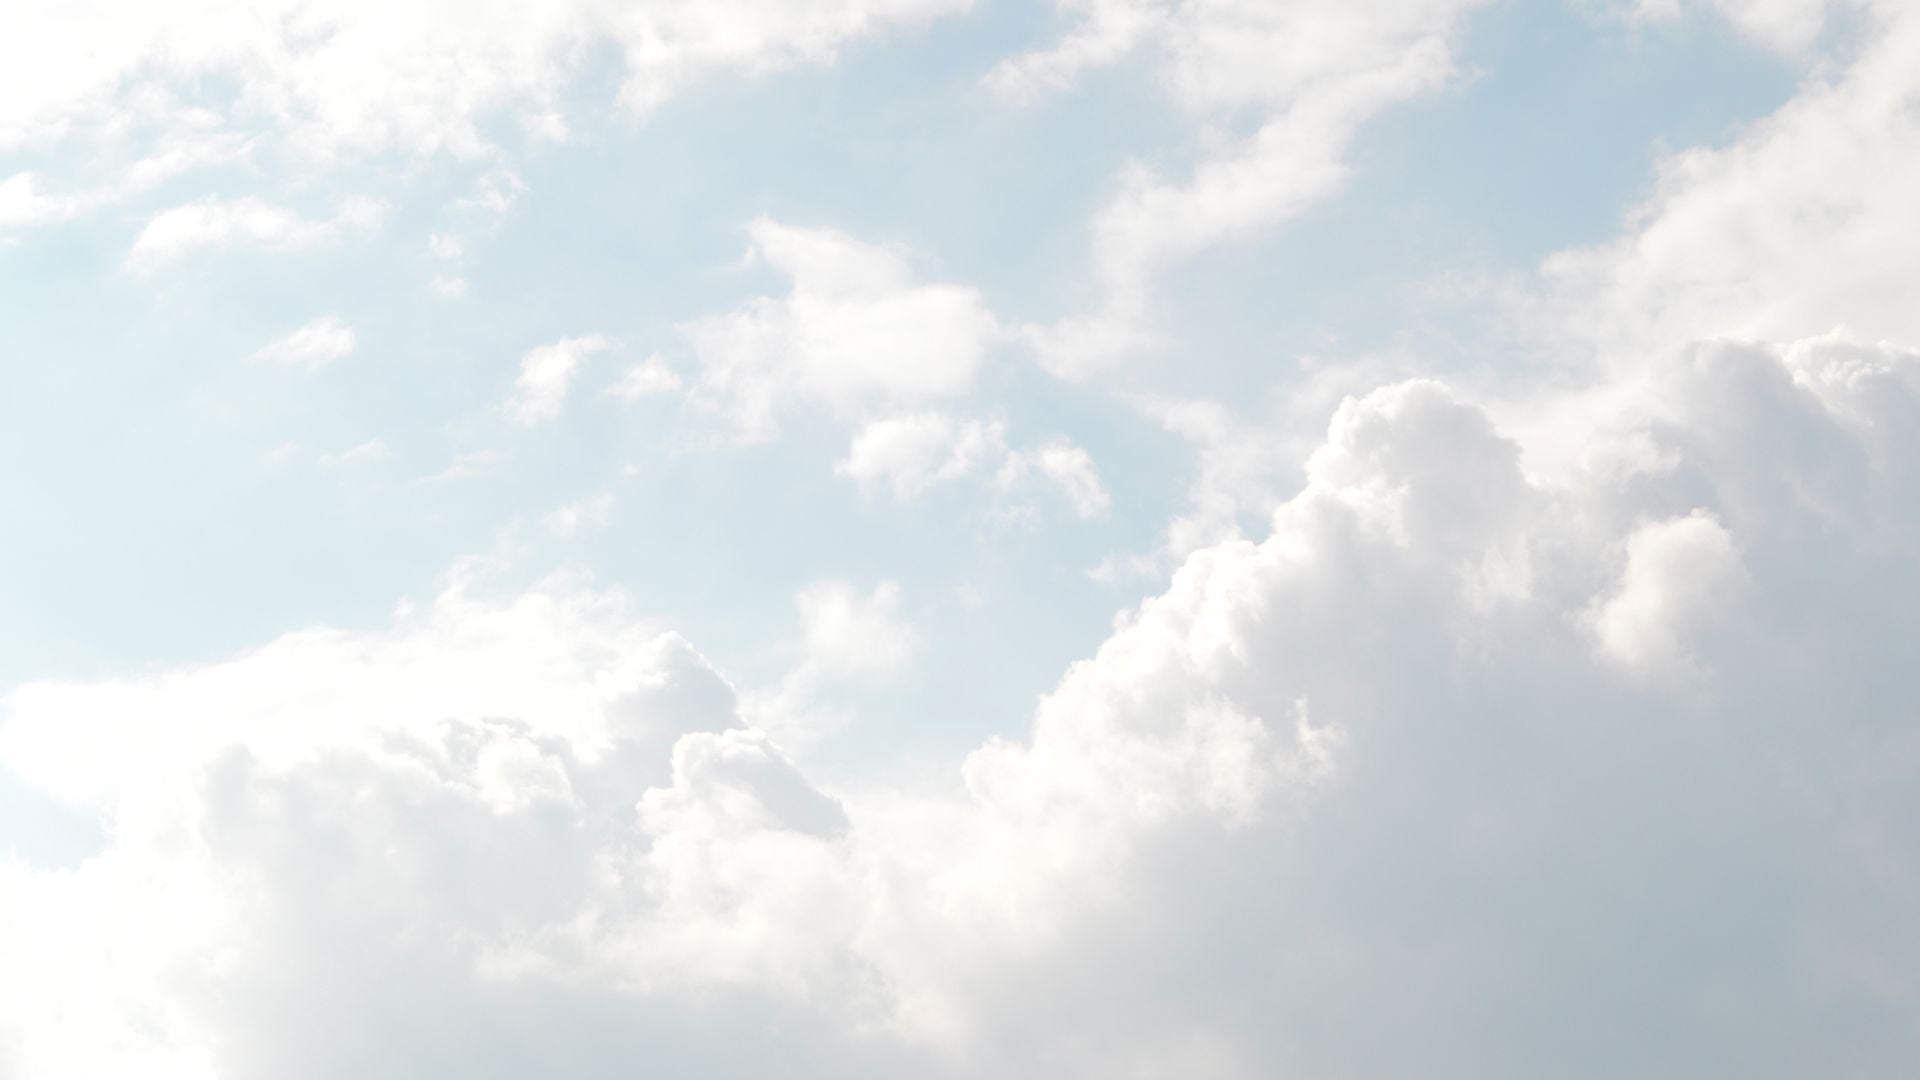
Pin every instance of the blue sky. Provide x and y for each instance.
(962, 468)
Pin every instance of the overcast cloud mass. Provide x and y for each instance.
(1200, 539)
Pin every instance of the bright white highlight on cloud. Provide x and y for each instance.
(647, 378)
(214, 223)
(908, 455)
(546, 374)
(1802, 224)
(312, 346)
(856, 332)
(23, 205)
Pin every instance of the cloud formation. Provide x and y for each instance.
(312, 346)
(214, 223)
(856, 332)
(546, 374)
(1430, 700)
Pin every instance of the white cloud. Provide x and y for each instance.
(1455, 768)
(570, 519)
(445, 246)
(1104, 32)
(909, 454)
(23, 205)
(1340, 790)
(849, 634)
(312, 346)
(1786, 26)
(1068, 468)
(644, 379)
(906, 456)
(219, 223)
(342, 75)
(1309, 75)
(359, 454)
(1799, 225)
(856, 332)
(546, 373)
(1675, 569)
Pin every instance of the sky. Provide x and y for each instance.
(959, 538)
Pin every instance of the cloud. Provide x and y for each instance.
(644, 379)
(23, 205)
(1797, 226)
(312, 346)
(849, 634)
(1346, 791)
(1675, 569)
(360, 454)
(546, 373)
(570, 519)
(855, 333)
(344, 75)
(214, 223)
(906, 456)
(1066, 467)
(1787, 26)
(1280, 90)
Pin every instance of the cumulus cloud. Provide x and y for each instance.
(546, 374)
(644, 379)
(574, 517)
(24, 205)
(1455, 766)
(909, 454)
(1068, 468)
(857, 331)
(1396, 738)
(1343, 789)
(214, 223)
(312, 346)
(906, 456)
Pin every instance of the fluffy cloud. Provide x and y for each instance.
(546, 374)
(1801, 224)
(644, 379)
(312, 346)
(214, 223)
(353, 75)
(23, 205)
(1365, 790)
(856, 332)
(907, 455)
